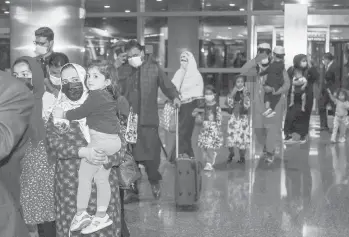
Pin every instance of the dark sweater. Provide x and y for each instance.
(99, 109)
(274, 72)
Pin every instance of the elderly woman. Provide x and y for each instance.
(190, 85)
(66, 146)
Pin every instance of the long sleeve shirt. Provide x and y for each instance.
(100, 111)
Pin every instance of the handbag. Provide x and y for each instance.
(167, 120)
(129, 172)
(131, 127)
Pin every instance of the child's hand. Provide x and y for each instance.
(303, 87)
(58, 112)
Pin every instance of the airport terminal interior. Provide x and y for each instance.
(303, 193)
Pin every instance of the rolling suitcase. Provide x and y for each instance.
(188, 178)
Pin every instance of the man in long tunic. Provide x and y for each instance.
(140, 84)
(16, 104)
(268, 131)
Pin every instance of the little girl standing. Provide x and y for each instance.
(210, 137)
(341, 119)
(238, 124)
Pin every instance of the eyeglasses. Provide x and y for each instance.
(39, 43)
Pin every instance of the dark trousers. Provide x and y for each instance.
(324, 100)
(124, 230)
(186, 128)
(47, 229)
(272, 99)
(152, 169)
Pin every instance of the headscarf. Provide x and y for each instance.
(191, 73)
(37, 132)
(66, 104)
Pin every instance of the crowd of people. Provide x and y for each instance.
(63, 138)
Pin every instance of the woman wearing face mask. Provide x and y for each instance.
(297, 120)
(37, 177)
(190, 86)
(67, 143)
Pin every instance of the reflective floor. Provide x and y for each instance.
(305, 193)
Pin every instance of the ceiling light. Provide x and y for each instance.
(232, 4)
(336, 5)
(7, 2)
(6, 12)
(208, 4)
(127, 11)
(242, 9)
(229, 28)
(159, 0)
(106, 6)
(104, 18)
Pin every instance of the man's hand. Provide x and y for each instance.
(268, 89)
(177, 102)
(55, 92)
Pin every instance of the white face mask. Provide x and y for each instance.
(41, 50)
(265, 61)
(304, 64)
(55, 80)
(135, 61)
(209, 98)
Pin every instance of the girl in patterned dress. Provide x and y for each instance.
(210, 137)
(37, 176)
(238, 124)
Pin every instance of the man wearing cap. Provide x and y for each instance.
(268, 130)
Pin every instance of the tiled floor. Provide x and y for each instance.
(305, 193)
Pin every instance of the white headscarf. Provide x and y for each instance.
(66, 104)
(189, 82)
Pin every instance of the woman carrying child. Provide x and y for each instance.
(238, 124)
(210, 137)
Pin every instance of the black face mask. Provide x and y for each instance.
(27, 82)
(73, 90)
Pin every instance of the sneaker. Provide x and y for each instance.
(97, 224)
(342, 140)
(267, 112)
(208, 167)
(80, 221)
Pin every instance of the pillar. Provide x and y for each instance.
(295, 31)
(65, 17)
(183, 32)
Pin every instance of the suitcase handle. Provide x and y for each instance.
(177, 130)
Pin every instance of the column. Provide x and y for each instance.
(295, 31)
(183, 32)
(65, 17)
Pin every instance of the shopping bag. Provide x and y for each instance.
(131, 128)
(167, 118)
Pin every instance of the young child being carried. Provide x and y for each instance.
(275, 80)
(341, 119)
(100, 110)
(298, 87)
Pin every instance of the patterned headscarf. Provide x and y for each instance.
(66, 104)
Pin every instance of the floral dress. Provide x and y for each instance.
(63, 145)
(210, 136)
(238, 124)
(37, 185)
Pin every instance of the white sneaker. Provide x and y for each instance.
(208, 167)
(80, 221)
(267, 112)
(342, 140)
(271, 114)
(97, 224)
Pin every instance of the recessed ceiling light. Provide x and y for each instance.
(232, 4)
(336, 5)
(242, 9)
(208, 4)
(7, 2)
(6, 12)
(104, 18)
(159, 0)
(106, 6)
(229, 28)
(127, 11)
